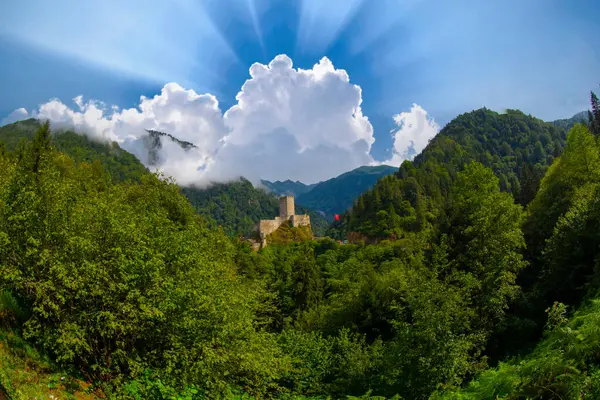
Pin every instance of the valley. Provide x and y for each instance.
(458, 261)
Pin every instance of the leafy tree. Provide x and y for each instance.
(120, 279)
(485, 238)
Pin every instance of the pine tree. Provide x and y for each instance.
(594, 115)
(41, 144)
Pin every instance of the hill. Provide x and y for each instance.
(237, 206)
(568, 123)
(336, 195)
(517, 147)
(120, 164)
(287, 187)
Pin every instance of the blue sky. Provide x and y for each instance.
(447, 56)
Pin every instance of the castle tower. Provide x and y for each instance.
(286, 207)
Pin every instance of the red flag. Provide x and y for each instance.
(337, 217)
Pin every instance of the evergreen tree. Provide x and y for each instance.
(594, 115)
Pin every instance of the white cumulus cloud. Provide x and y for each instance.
(18, 115)
(287, 123)
(415, 130)
(295, 123)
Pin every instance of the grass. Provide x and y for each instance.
(27, 374)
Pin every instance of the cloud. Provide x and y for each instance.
(415, 130)
(185, 114)
(288, 123)
(18, 115)
(304, 124)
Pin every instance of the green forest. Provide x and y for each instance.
(470, 273)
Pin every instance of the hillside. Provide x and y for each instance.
(120, 164)
(336, 195)
(26, 373)
(517, 147)
(238, 206)
(568, 123)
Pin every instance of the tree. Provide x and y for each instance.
(594, 115)
(483, 227)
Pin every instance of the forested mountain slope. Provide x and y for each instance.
(237, 206)
(560, 287)
(568, 123)
(336, 195)
(120, 164)
(517, 147)
(287, 187)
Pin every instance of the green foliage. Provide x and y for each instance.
(338, 365)
(123, 278)
(518, 148)
(286, 234)
(445, 274)
(563, 366)
(237, 206)
(25, 373)
(118, 164)
(418, 324)
(484, 234)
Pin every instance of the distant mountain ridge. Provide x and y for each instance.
(335, 195)
(287, 187)
(567, 123)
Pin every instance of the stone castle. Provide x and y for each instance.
(286, 213)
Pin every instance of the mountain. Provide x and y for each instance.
(517, 147)
(237, 206)
(334, 196)
(568, 123)
(121, 164)
(153, 143)
(288, 187)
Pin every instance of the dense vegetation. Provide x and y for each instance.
(237, 206)
(287, 187)
(116, 162)
(472, 294)
(125, 280)
(517, 147)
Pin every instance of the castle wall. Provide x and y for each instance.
(286, 213)
(286, 207)
(268, 226)
(300, 220)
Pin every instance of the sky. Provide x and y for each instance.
(282, 89)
